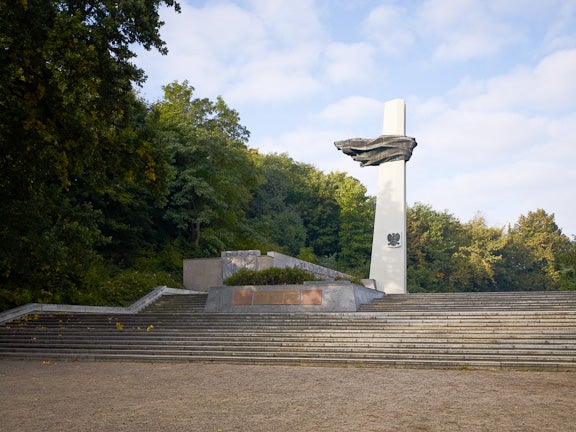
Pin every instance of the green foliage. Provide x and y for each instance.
(275, 211)
(124, 287)
(212, 171)
(478, 256)
(102, 284)
(271, 276)
(445, 255)
(433, 238)
(299, 208)
(536, 254)
(356, 211)
(71, 146)
(354, 280)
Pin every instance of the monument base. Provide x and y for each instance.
(333, 296)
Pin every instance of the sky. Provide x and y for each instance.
(489, 86)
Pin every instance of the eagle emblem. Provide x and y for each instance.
(394, 239)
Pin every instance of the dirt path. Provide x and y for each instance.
(91, 396)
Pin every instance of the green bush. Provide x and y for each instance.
(271, 276)
(102, 286)
(353, 279)
(127, 286)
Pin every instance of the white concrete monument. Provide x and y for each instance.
(390, 152)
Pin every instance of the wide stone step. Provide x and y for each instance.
(552, 341)
(516, 364)
(564, 340)
(120, 326)
(490, 345)
(538, 331)
(408, 343)
(349, 318)
(519, 301)
(324, 353)
(327, 362)
(233, 346)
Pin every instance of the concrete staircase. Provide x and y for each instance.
(481, 301)
(178, 304)
(484, 330)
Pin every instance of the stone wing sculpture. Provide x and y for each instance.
(385, 148)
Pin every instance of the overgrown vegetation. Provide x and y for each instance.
(103, 194)
(271, 276)
(446, 255)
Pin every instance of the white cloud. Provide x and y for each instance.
(353, 110)
(290, 23)
(548, 87)
(349, 62)
(205, 45)
(309, 145)
(442, 30)
(390, 26)
(265, 52)
(504, 192)
(464, 29)
(559, 30)
(279, 76)
(484, 153)
(467, 139)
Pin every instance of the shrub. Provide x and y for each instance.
(271, 276)
(353, 279)
(127, 286)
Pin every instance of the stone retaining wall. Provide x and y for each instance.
(202, 273)
(310, 297)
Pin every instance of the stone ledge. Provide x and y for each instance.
(137, 306)
(317, 297)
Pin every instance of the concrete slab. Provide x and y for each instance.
(319, 297)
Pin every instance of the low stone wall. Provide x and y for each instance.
(137, 306)
(282, 261)
(201, 274)
(310, 297)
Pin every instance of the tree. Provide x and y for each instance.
(275, 211)
(531, 252)
(356, 211)
(66, 85)
(320, 211)
(567, 267)
(325, 218)
(213, 174)
(478, 255)
(67, 131)
(433, 239)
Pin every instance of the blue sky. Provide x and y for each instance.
(489, 85)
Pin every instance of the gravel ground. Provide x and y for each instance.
(103, 396)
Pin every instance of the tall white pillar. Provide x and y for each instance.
(388, 263)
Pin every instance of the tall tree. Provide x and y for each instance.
(212, 169)
(275, 211)
(356, 211)
(532, 247)
(567, 266)
(321, 212)
(478, 256)
(433, 237)
(66, 130)
(326, 218)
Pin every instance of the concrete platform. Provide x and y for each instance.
(334, 296)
